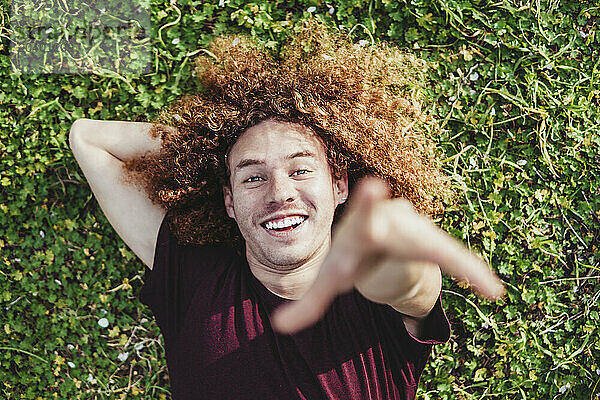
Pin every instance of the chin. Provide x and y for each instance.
(287, 263)
(286, 260)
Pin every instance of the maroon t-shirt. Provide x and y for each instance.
(214, 316)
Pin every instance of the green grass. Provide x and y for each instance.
(516, 88)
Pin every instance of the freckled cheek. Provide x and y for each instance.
(251, 214)
(322, 196)
(247, 209)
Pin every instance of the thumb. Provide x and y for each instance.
(369, 190)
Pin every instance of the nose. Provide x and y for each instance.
(281, 189)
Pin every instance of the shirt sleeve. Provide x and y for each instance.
(169, 286)
(408, 353)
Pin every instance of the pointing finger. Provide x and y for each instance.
(455, 260)
(471, 269)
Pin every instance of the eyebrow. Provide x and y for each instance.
(249, 161)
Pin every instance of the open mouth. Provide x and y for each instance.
(284, 224)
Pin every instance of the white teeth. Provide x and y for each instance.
(284, 223)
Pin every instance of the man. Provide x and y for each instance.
(368, 308)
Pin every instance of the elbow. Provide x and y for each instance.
(76, 133)
(78, 143)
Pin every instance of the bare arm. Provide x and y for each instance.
(100, 147)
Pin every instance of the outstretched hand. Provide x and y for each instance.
(378, 227)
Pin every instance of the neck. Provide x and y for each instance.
(291, 283)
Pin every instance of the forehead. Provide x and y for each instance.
(274, 137)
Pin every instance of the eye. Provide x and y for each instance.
(301, 172)
(253, 179)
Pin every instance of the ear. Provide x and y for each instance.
(341, 187)
(228, 199)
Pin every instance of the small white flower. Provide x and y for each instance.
(123, 356)
(17, 260)
(42, 234)
(563, 389)
(331, 10)
(485, 325)
(177, 117)
(70, 346)
(103, 322)
(472, 91)
(90, 378)
(138, 346)
(102, 10)
(363, 42)
(451, 98)
(104, 311)
(144, 320)
(473, 161)
(583, 34)
(474, 76)
(311, 9)
(221, 3)
(70, 364)
(575, 289)
(520, 163)
(235, 42)
(548, 66)
(597, 371)
(493, 111)
(49, 30)
(58, 282)
(175, 41)
(52, 214)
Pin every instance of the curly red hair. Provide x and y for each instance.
(364, 102)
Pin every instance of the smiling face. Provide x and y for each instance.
(282, 194)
